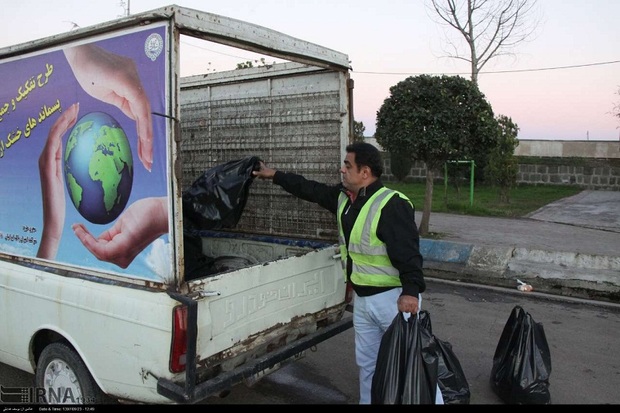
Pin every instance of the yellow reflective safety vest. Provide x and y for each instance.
(371, 264)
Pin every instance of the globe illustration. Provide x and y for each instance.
(98, 167)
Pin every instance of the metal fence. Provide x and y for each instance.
(296, 133)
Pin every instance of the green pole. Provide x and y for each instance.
(445, 182)
(471, 185)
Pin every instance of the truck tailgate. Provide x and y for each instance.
(252, 303)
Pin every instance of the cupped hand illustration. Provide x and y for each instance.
(115, 80)
(139, 225)
(52, 183)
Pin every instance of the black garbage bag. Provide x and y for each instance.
(406, 371)
(522, 361)
(450, 375)
(421, 374)
(425, 320)
(217, 198)
(388, 380)
(196, 263)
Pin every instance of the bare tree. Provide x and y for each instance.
(491, 28)
(616, 111)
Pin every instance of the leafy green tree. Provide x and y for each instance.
(358, 131)
(245, 65)
(435, 119)
(502, 167)
(400, 165)
(248, 63)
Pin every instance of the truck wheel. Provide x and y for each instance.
(64, 378)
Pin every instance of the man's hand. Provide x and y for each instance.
(264, 172)
(408, 304)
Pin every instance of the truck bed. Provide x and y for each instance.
(249, 303)
(209, 253)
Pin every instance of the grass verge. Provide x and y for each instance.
(524, 198)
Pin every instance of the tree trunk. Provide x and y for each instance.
(428, 202)
(504, 195)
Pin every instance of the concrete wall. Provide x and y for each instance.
(601, 176)
(589, 164)
(569, 149)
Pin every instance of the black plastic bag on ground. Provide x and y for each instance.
(217, 198)
(406, 371)
(450, 375)
(522, 361)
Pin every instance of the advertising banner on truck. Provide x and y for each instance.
(83, 154)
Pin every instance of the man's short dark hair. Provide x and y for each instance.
(367, 155)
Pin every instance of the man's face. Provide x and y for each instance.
(352, 177)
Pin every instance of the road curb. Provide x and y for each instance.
(551, 271)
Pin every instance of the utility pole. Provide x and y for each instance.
(126, 11)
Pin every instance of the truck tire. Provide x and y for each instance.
(64, 378)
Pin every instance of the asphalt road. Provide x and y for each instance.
(583, 337)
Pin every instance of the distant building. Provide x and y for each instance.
(373, 142)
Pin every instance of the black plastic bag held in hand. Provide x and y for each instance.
(387, 382)
(450, 375)
(217, 198)
(406, 371)
(522, 361)
(422, 366)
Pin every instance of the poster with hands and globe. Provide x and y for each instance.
(83, 154)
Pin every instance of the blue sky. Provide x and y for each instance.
(559, 86)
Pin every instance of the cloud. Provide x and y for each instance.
(158, 259)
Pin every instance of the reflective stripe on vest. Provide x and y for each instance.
(371, 264)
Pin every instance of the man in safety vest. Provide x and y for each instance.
(379, 245)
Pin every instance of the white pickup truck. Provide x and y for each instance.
(95, 298)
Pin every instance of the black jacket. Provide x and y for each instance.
(397, 227)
